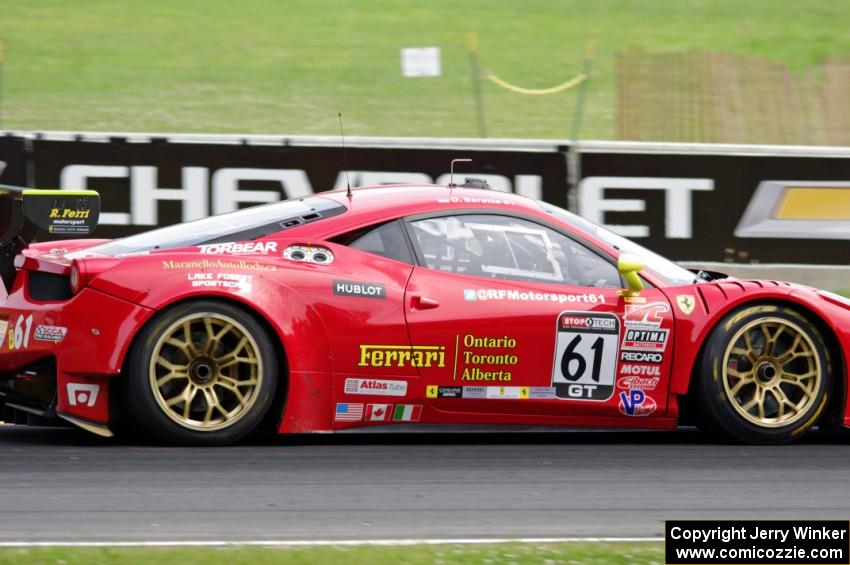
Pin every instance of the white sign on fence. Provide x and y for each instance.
(421, 62)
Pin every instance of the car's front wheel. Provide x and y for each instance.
(200, 373)
(765, 375)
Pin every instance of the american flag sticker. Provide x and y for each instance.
(348, 412)
(378, 412)
(407, 412)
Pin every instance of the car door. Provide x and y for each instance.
(531, 322)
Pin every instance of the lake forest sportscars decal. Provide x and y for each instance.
(585, 362)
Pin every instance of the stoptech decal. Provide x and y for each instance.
(375, 387)
(402, 356)
(359, 289)
(235, 248)
(641, 357)
(54, 334)
(645, 340)
(472, 294)
(636, 403)
(585, 361)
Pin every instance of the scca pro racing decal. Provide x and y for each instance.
(585, 356)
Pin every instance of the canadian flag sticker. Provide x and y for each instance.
(378, 412)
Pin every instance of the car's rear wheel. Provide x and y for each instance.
(765, 375)
(200, 373)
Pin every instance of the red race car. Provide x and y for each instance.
(405, 307)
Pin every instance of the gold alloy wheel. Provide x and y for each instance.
(771, 372)
(206, 371)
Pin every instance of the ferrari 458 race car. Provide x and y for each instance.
(408, 307)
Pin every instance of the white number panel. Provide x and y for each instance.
(586, 356)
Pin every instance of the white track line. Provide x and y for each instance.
(321, 543)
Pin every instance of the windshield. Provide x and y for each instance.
(249, 223)
(672, 273)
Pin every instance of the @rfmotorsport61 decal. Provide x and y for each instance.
(585, 356)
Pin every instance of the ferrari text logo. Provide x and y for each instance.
(402, 356)
(686, 303)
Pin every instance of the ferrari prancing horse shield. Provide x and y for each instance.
(686, 303)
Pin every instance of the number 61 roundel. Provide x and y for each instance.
(586, 356)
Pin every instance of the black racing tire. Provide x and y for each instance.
(211, 353)
(764, 376)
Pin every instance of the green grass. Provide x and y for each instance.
(519, 554)
(287, 67)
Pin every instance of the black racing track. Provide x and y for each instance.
(63, 484)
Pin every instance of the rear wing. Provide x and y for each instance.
(26, 211)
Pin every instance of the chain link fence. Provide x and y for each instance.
(727, 98)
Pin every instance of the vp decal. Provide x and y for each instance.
(636, 403)
(585, 356)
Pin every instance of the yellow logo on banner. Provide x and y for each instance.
(431, 391)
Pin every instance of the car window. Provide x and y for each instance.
(510, 248)
(387, 240)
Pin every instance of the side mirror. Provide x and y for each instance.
(629, 266)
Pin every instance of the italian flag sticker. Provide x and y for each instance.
(407, 412)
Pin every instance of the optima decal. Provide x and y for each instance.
(424, 356)
(375, 387)
(359, 289)
(645, 340)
